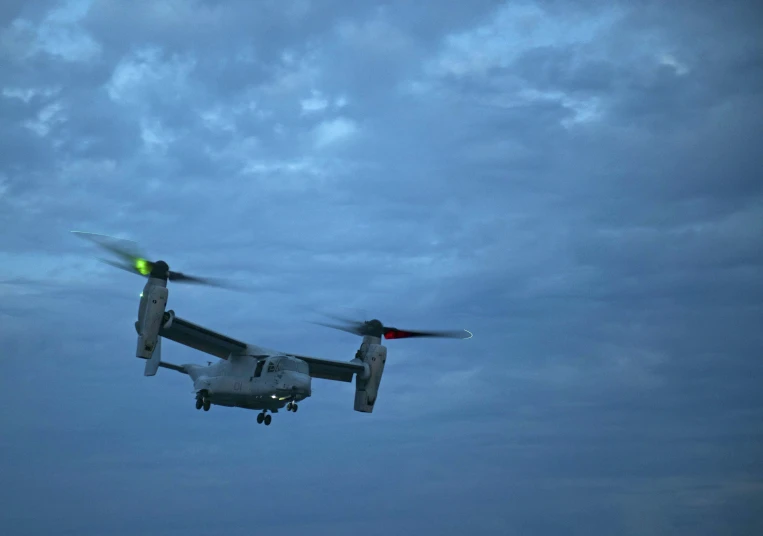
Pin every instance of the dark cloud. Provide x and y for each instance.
(577, 184)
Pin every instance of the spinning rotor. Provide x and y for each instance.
(375, 328)
(132, 260)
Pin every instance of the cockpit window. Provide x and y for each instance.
(290, 364)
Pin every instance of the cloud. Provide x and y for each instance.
(59, 34)
(46, 117)
(145, 72)
(334, 131)
(513, 29)
(315, 103)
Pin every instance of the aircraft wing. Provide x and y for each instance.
(341, 371)
(219, 345)
(202, 339)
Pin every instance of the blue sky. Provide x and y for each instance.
(578, 184)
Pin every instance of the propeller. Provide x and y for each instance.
(375, 328)
(132, 260)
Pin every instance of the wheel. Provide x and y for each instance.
(207, 404)
(289, 406)
(268, 418)
(294, 408)
(260, 418)
(199, 403)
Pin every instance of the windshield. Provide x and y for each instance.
(294, 365)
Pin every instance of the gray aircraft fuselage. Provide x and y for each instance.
(248, 382)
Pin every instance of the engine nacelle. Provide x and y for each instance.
(367, 387)
(167, 320)
(152, 316)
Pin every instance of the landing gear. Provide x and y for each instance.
(263, 417)
(292, 406)
(203, 401)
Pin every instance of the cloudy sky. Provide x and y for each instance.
(577, 183)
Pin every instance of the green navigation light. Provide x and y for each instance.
(143, 266)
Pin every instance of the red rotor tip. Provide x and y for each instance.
(398, 334)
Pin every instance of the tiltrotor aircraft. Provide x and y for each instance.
(247, 376)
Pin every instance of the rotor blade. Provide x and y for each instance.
(180, 277)
(354, 329)
(133, 261)
(126, 249)
(375, 328)
(120, 246)
(338, 318)
(394, 333)
(123, 266)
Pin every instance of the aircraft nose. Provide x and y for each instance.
(298, 386)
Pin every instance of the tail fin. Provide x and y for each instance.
(366, 389)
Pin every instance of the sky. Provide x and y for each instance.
(576, 183)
